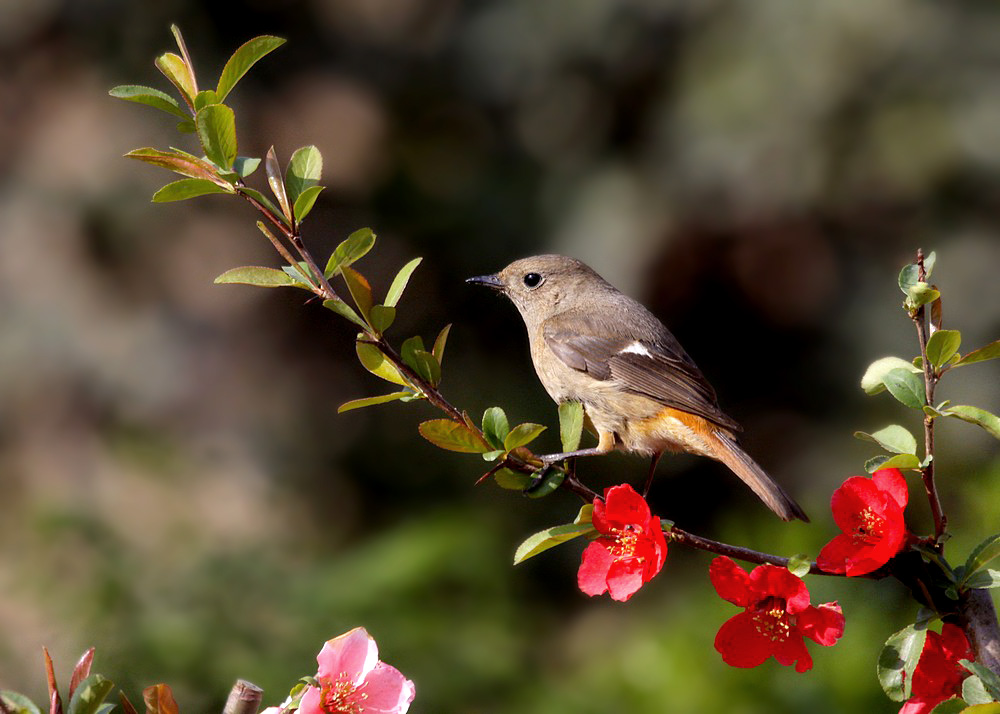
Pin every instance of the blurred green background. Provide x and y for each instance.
(176, 487)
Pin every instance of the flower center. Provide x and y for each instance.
(771, 620)
(626, 540)
(340, 696)
(869, 527)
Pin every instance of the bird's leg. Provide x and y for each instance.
(652, 470)
(605, 443)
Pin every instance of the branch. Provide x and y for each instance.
(244, 698)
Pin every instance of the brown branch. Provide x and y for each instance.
(244, 698)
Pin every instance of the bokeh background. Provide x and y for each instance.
(176, 487)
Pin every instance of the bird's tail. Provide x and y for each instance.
(730, 453)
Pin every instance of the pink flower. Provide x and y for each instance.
(938, 675)
(631, 549)
(870, 514)
(777, 616)
(352, 680)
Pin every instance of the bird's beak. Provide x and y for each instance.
(492, 281)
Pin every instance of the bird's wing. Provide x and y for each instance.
(656, 368)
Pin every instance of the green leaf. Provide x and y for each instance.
(929, 260)
(982, 555)
(375, 362)
(974, 691)
(872, 381)
(898, 461)
(204, 98)
(179, 162)
(799, 565)
(521, 435)
(453, 436)
(399, 282)
(408, 349)
(543, 540)
(950, 706)
(942, 346)
(273, 171)
(905, 386)
(344, 310)
(216, 124)
(18, 703)
(255, 275)
(990, 351)
(89, 695)
(550, 482)
(428, 367)
(908, 277)
(382, 317)
(372, 401)
(150, 97)
(305, 169)
(353, 248)
(894, 438)
(439, 343)
(991, 708)
(174, 69)
(990, 680)
(921, 294)
(570, 425)
(360, 290)
(493, 455)
(300, 274)
(245, 165)
(975, 415)
(304, 203)
(495, 426)
(898, 659)
(985, 579)
(512, 480)
(263, 200)
(243, 59)
(188, 188)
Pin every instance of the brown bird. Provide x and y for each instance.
(640, 390)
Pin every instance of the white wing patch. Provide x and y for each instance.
(637, 348)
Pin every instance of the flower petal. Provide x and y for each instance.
(772, 581)
(731, 582)
(311, 702)
(822, 623)
(793, 651)
(739, 642)
(891, 481)
(353, 654)
(593, 574)
(855, 495)
(623, 506)
(625, 577)
(386, 690)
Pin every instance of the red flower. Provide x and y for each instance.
(870, 514)
(777, 616)
(938, 675)
(631, 549)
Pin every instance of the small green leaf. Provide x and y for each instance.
(543, 540)
(872, 381)
(982, 555)
(360, 290)
(409, 348)
(512, 480)
(216, 124)
(428, 367)
(550, 481)
(799, 565)
(89, 695)
(353, 248)
(375, 362)
(942, 346)
(18, 703)
(344, 310)
(990, 680)
(255, 275)
(570, 425)
(453, 436)
(305, 169)
(439, 343)
(495, 426)
(990, 351)
(273, 171)
(908, 277)
(382, 317)
(493, 455)
(974, 691)
(179, 162)
(950, 706)
(985, 579)
(921, 294)
(245, 165)
(897, 461)
(894, 438)
(204, 98)
(243, 59)
(991, 708)
(299, 273)
(150, 97)
(929, 260)
(975, 415)
(898, 659)
(187, 188)
(521, 435)
(905, 386)
(304, 203)
(372, 401)
(174, 69)
(399, 282)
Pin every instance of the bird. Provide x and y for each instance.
(640, 391)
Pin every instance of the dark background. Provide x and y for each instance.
(176, 486)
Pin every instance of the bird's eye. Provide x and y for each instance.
(532, 280)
